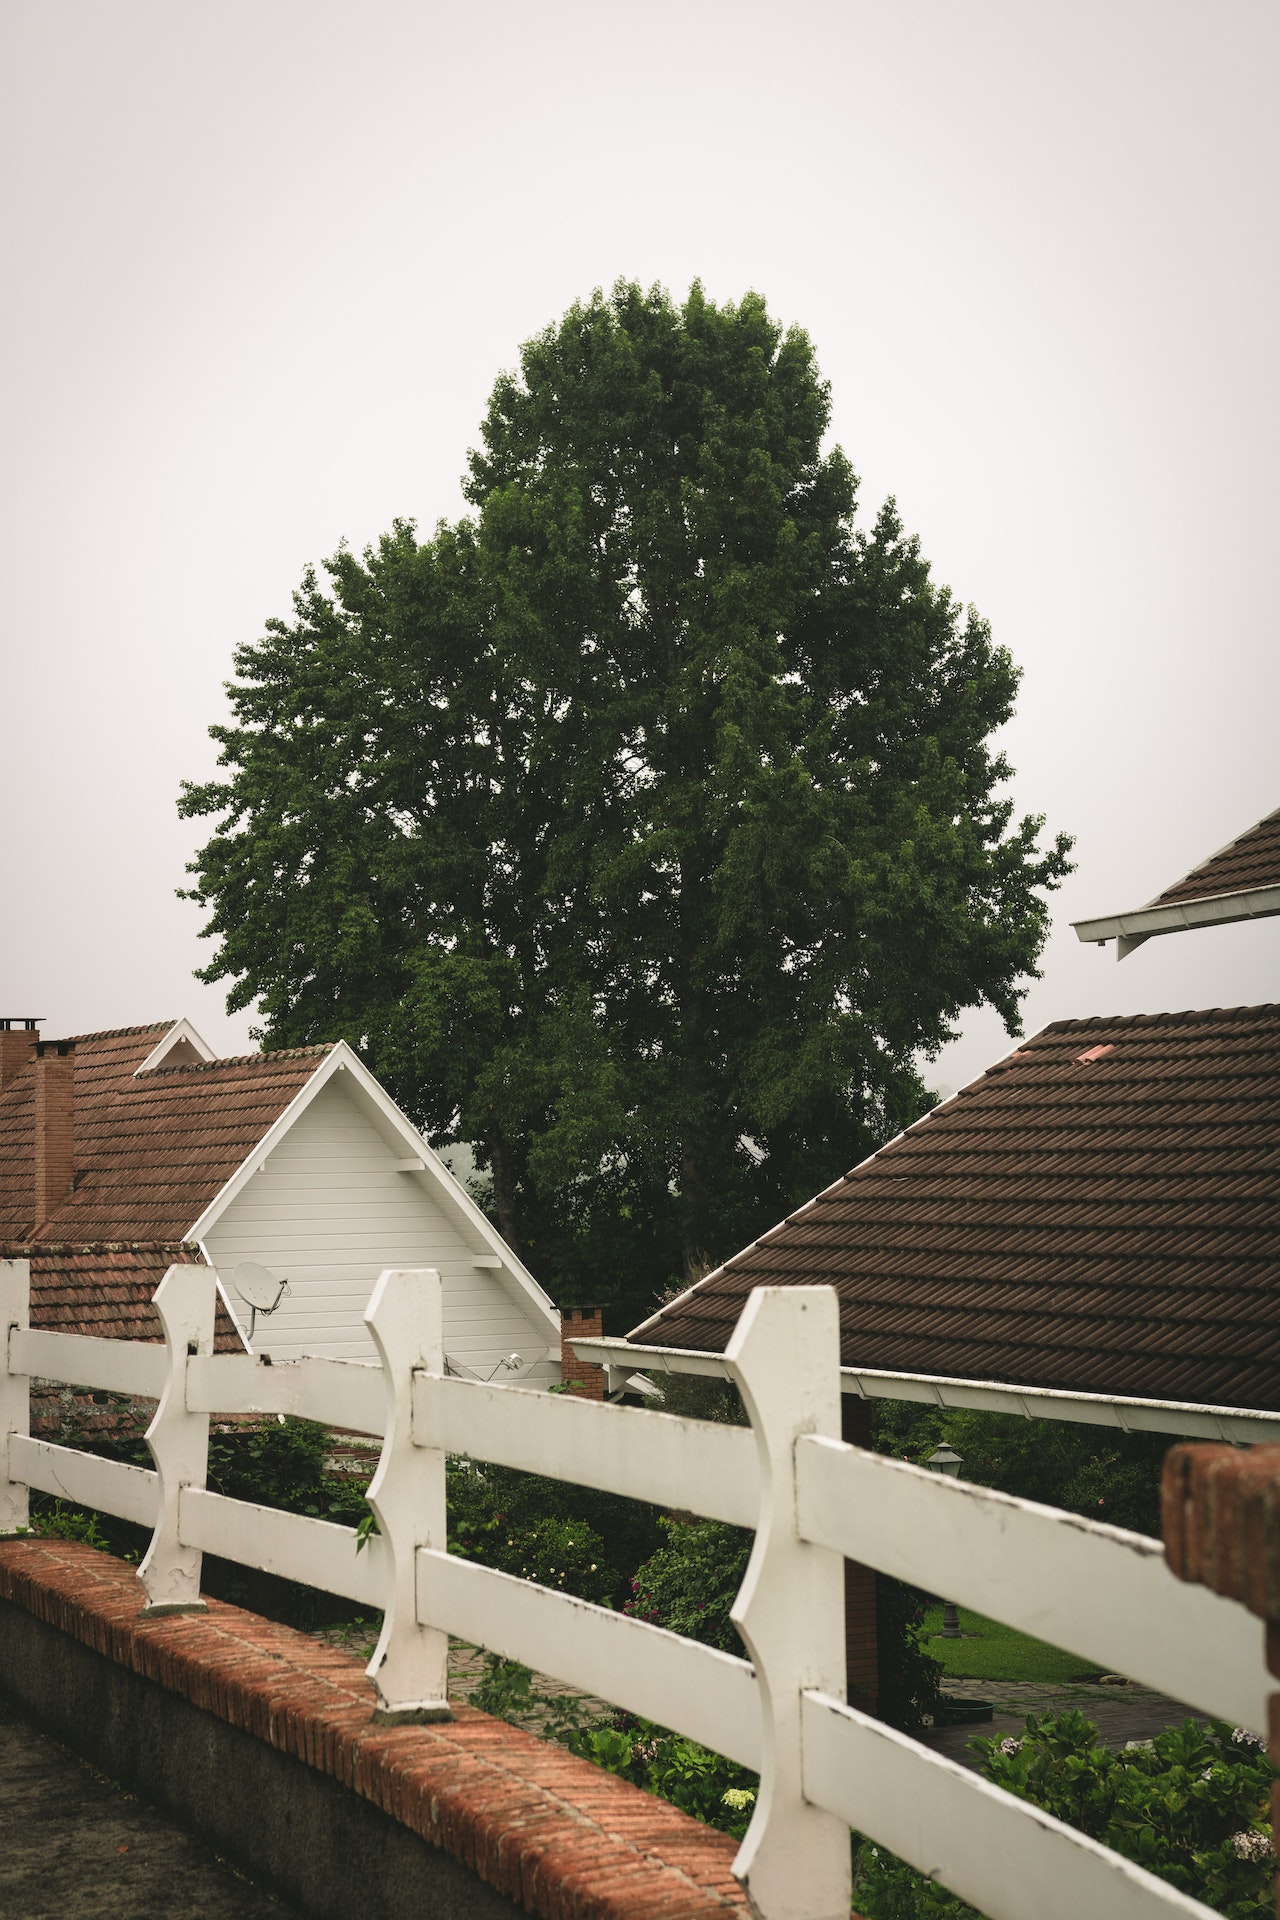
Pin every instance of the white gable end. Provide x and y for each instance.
(327, 1209)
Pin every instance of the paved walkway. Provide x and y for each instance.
(1120, 1713)
(75, 1847)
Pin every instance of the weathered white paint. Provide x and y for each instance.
(410, 1664)
(618, 1449)
(329, 1212)
(1096, 1590)
(794, 1860)
(111, 1366)
(1009, 1858)
(708, 1695)
(337, 1393)
(110, 1486)
(317, 1553)
(15, 1389)
(178, 1438)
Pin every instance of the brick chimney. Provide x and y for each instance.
(581, 1323)
(18, 1037)
(55, 1124)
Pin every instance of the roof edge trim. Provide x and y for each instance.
(181, 1030)
(1214, 910)
(1130, 1415)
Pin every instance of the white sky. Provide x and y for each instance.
(264, 262)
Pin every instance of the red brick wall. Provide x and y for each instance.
(55, 1125)
(861, 1650)
(587, 1324)
(16, 1048)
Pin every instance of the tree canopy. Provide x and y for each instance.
(643, 827)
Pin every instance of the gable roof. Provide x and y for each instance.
(161, 1153)
(151, 1149)
(1239, 882)
(1099, 1213)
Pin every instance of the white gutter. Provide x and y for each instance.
(1129, 930)
(1191, 1419)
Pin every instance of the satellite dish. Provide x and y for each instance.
(259, 1288)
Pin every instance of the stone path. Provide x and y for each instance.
(1120, 1713)
(73, 1846)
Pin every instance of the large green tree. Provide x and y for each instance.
(643, 828)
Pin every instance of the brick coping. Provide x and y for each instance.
(560, 1837)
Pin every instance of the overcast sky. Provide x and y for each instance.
(264, 262)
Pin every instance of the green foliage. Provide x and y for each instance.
(690, 1584)
(57, 1520)
(909, 1676)
(1101, 1474)
(1192, 1806)
(548, 1530)
(281, 1463)
(647, 811)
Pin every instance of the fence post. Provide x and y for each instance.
(15, 1388)
(785, 1359)
(179, 1440)
(410, 1664)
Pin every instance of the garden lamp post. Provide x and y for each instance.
(945, 1459)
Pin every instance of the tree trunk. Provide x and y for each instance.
(502, 1165)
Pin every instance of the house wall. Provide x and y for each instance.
(329, 1212)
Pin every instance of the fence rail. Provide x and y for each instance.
(810, 1499)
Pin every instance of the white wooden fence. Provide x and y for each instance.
(811, 1499)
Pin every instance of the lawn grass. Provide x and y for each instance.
(996, 1652)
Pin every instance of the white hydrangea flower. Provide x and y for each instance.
(1251, 1845)
(1010, 1745)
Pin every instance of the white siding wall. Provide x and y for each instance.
(329, 1212)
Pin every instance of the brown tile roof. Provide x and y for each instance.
(150, 1153)
(1251, 861)
(1099, 1213)
(106, 1290)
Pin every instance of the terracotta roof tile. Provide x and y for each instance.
(150, 1152)
(1251, 861)
(106, 1289)
(1103, 1226)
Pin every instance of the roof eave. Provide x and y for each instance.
(1129, 930)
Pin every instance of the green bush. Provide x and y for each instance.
(690, 1584)
(1192, 1806)
(910, 1678)
(1104, 1476)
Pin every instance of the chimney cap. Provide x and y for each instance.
(59, 1047)
(27, 1021)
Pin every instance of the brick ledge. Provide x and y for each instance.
(562, 1838)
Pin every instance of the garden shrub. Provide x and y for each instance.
(689, 1585)
(1192, 1806)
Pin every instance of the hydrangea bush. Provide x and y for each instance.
(1191, 1806)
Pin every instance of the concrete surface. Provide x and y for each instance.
(74, 1844)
